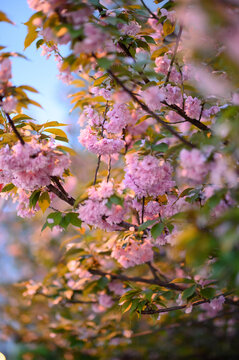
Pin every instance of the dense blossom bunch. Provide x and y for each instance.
(96, 211)
(99, 145)
(31, 165)
(193, 165)
(133, 253)
(148, 176)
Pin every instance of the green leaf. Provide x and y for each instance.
(157, 229)
(73, 219)
(34, 198)
(104, 63)
(160, 147)
(114, 199)
(8, 187)
(149, 39)
(208, 293)
(44, 201)
(39, 43)
(189, 292)
(185, 192)
(146, 224)
(182, 281)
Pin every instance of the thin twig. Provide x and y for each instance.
(174, 55)
(150, 112)
(148, 9)
(109, 168)
(16, 132)
(137, 279)
(143, 205)
(97, 169)
(182, 113)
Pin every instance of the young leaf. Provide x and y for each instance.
(44, 201)
(189, 292)
(157, 230)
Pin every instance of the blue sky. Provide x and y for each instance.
(37, 71)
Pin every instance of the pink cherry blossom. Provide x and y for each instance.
(193, 165)
(133, 253)
(149, 176)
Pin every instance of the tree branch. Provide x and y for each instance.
(182, 113)
(137, 279)
(150, 112)
(148, 9)
(174, 55)
(16, 132)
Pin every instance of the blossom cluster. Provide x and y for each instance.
(148, 176)
(31, 166)
(97, 212)
(133, 252)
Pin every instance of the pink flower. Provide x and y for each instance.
(193, 165)
(149, 176)
(9, 104)
(193, 107)
(131, 29)
(30, 166)
(5, 70)
(153, 96)
(217, 303)
(105, 300)
(133, 253)
(102, 146)
(119, 118)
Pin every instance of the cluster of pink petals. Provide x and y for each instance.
(171, 15)
(95, 40)
(134, 253)
(213, 307)
(149, 176)
(174, 117)
(173, 95)
(162, 66)
(193, 165)
(117, 287)
(193, 107)
(90, 115)
(79, 17)
(5, 70)
(131, 29)
(9, 104)
(46, 6)
(119, 118)
(23, 209)
(105, 300)
(31, 165)
(98, 145)
(153, 97)
(105, 93)
(95, 211)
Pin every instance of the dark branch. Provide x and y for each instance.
(16, 132)
(148, 9)
(174, 55)
(182, 113)
(137, 279)
(150, 112)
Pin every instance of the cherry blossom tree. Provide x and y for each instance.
(146, 244)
